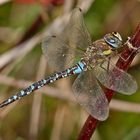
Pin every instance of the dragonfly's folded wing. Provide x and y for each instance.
(90, 95)
(61, 50)
(116, 79)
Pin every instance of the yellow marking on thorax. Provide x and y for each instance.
(107, 52)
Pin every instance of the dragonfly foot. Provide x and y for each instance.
(130, 46)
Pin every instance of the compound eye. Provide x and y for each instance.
(113, 41)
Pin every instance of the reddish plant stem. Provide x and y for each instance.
(91, 123)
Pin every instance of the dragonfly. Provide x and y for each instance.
(73, 52)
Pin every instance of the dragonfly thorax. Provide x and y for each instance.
(102, 48)
(97, 53)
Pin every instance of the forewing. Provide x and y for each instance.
(90, 95)
(79, 36)
(116, 79)
(73, 41)
(57, 52)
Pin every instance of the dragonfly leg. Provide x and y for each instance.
(130, 46)
(101, 65)
(108, 65)
(125, 60)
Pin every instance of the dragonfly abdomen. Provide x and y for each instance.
(81, 66)
(78, 68)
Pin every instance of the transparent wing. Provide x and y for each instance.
(58, 54)
(61, 51)
(90, 95)
(116, 79)
(77, 32)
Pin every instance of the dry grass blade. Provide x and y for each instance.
(19, 50)
(36, 105)
(58, 124)
(125, 106)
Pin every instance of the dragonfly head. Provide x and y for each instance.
(114, 40)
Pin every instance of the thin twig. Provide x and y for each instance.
(125, 106)
(36, 105)
(20, 50)
(58, 123)
(4, 1)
